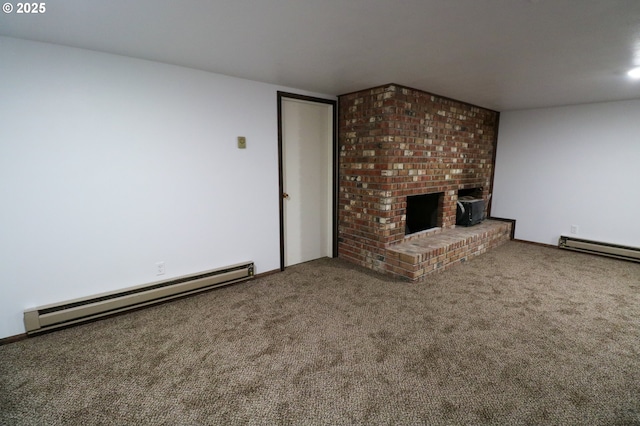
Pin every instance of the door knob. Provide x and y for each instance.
(285, 195)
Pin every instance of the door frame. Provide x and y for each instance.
(334, 169)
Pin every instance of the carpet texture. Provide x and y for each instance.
(521, 335)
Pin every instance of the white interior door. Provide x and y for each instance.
(307, 169)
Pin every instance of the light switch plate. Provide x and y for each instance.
(242, 142)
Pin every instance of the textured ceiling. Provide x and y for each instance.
(500, 54)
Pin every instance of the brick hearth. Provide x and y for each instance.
(418, 257)
(397, 142)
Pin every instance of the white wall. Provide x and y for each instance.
(110, 164)
(574, 165)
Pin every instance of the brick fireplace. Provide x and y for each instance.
(397, 142)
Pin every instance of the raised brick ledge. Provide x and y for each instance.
(416, 258)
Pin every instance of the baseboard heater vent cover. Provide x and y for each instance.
(597, 247)
(62, 314)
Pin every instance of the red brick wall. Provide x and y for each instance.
(396, 141)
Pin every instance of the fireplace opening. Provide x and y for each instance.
(423, 212)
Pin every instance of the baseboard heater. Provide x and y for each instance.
(62, 314)
(597, 247)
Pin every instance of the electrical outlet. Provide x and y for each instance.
(160, 268)
(574, 229)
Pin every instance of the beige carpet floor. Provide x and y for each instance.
(521, 335)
